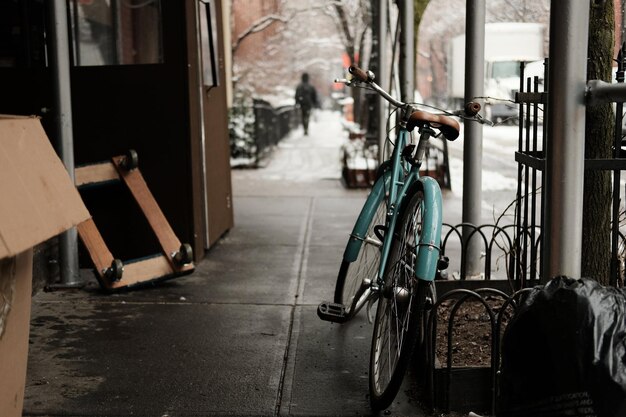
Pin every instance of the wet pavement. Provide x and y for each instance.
(238, 337)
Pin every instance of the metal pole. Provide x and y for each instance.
(203, 152)
(382, 76)
(473, 136)
(60, 60)
(407, 51)
(565, 149)
(599, 91)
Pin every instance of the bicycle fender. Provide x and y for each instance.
(359, 232)
(430, 243)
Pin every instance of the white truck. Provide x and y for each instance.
(506, 45)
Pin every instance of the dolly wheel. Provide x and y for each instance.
(184, 255)
(131, 160)
(115, 271)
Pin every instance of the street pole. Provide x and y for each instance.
(565, 149)
(473, 134)
(382, 76)
(407, 51)
(60, 60)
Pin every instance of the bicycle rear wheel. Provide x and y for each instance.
(352, 287)
(397, 326)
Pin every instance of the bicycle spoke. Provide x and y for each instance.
(352, 289)
(396, 316)
(366, 269)
(389, 369)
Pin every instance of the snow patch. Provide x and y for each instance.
(491, 180)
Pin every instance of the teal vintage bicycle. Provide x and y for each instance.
(393, 253)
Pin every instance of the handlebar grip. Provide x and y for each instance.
(359, 74)
(472, 108)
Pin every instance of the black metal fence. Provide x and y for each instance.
(497, 248)
(532, 100)
(271, 125)
(511, 254)
(465, 378)
(530, 157)
(256, 128)
(513, 251)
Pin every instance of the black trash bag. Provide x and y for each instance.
(564, 352)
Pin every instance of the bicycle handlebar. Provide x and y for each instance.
(361, 75)
(470, 110)
(368, 78)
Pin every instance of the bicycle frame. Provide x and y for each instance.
(397, 184)
(405, 257)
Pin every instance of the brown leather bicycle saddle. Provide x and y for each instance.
(446, 125)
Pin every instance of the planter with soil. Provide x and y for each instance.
(462, 338)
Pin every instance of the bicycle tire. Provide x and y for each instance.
(351, 289)
(398, 325)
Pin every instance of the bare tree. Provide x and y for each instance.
(281, 52)
(419, 6)
(518, 10)
(354, 20)
(599, 131)
(257, 26)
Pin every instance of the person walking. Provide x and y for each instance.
(306, 98)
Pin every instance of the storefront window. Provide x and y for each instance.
(116, 32)
(208, 36)
(22, 34)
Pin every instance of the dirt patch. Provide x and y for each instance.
(471, 331)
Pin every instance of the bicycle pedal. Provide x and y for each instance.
(332, 312)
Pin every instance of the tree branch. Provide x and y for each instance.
(258, 26)
(266, 21)
(344, 27)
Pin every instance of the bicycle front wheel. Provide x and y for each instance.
(397, 324)
(352, 288)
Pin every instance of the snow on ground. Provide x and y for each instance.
(499, 174)
(499, 167)
(301, 158)
(318, 155)
(491, 180)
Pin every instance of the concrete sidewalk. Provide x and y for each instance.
(238, 337)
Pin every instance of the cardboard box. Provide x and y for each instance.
(37, 201)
